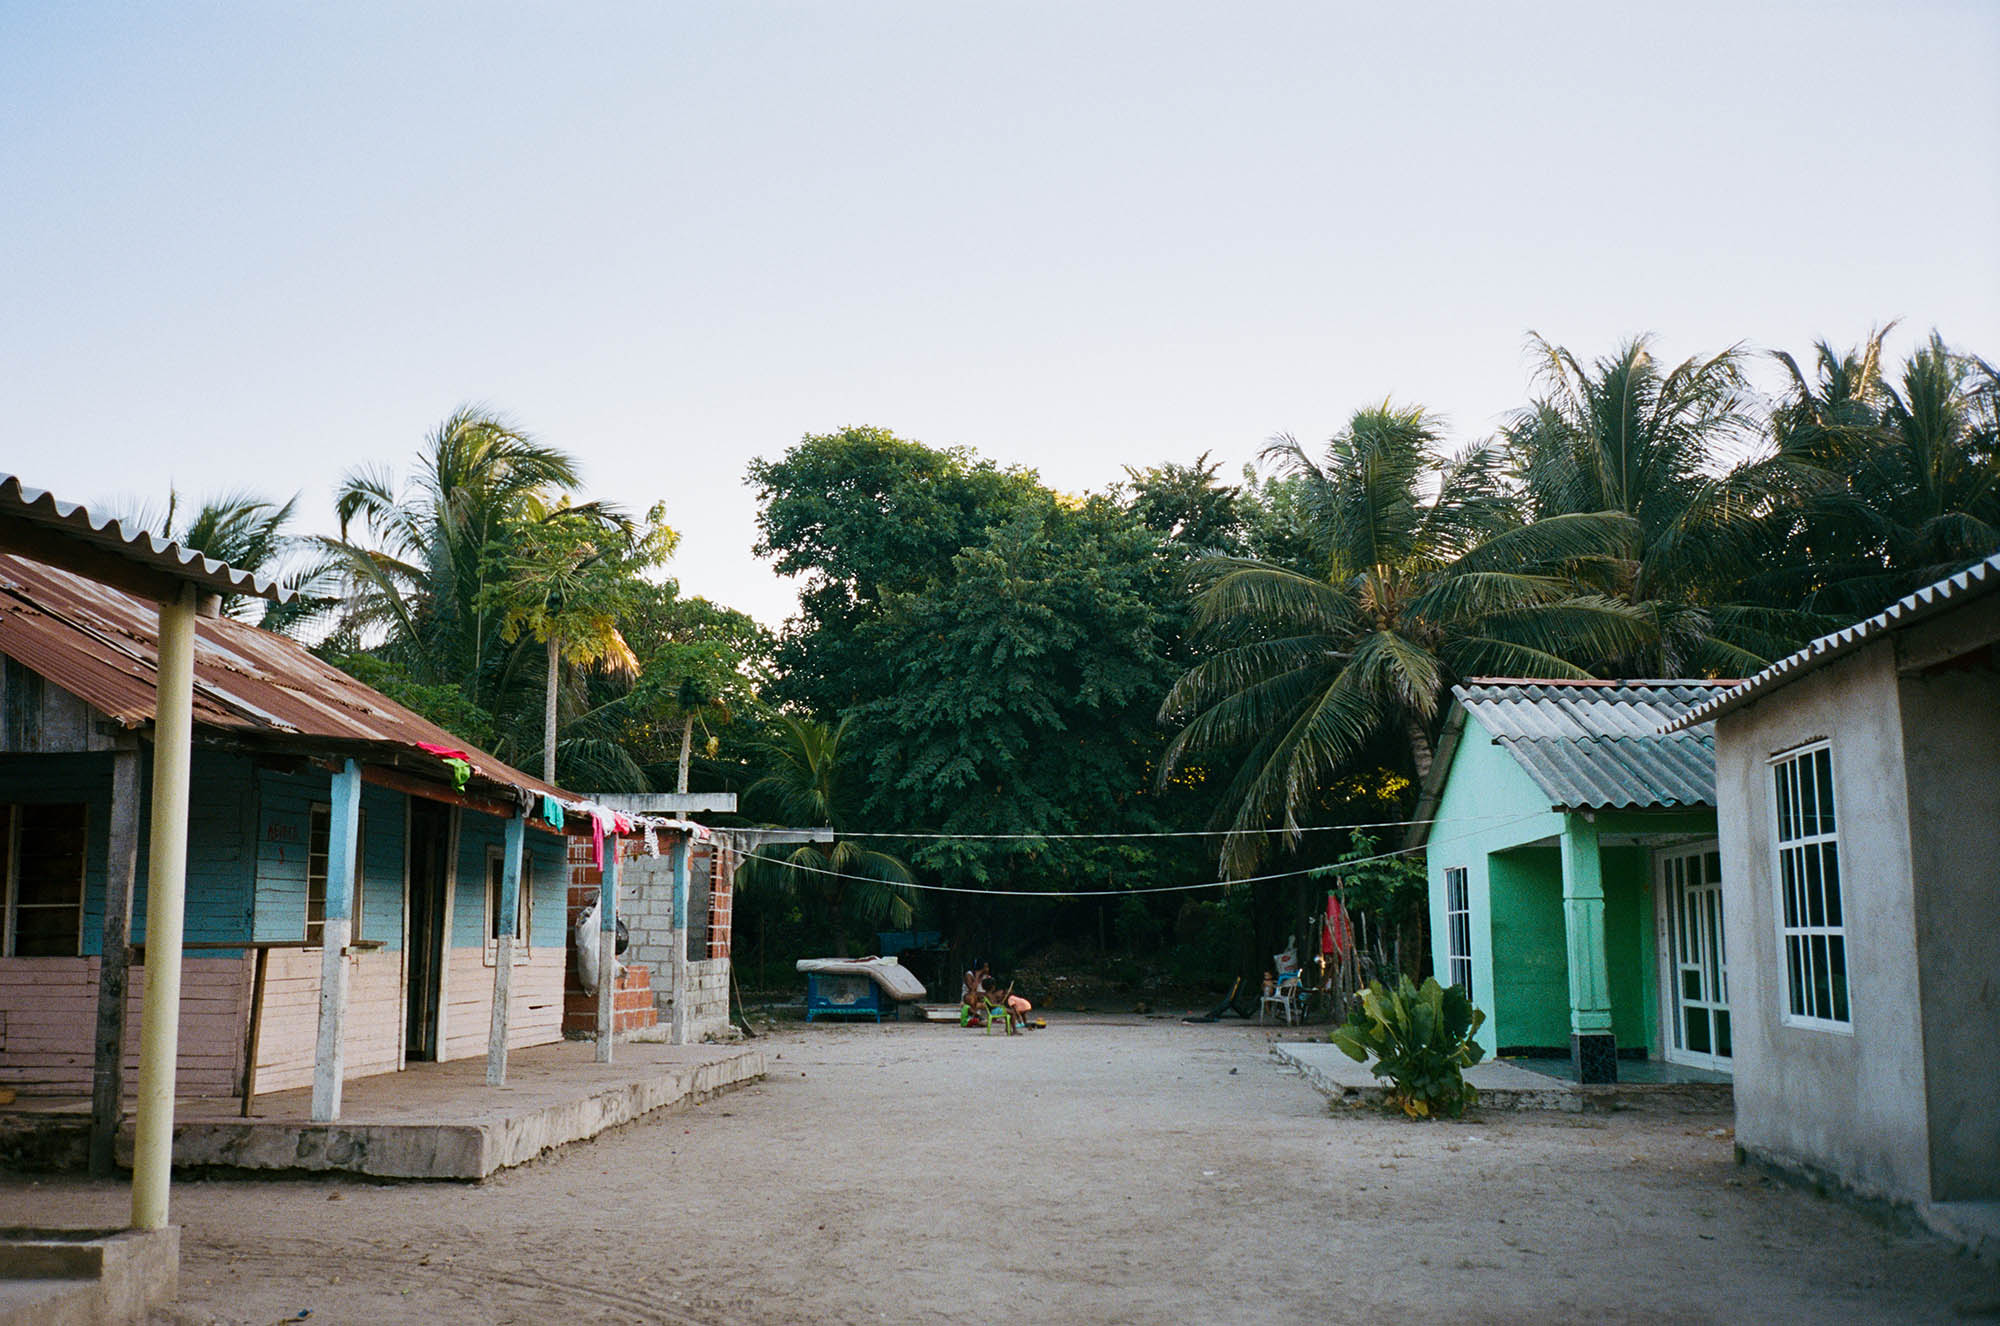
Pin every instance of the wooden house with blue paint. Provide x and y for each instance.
(302, 779)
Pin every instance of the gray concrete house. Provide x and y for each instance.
(1858, 803)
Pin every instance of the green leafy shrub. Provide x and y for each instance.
(1422, 1043)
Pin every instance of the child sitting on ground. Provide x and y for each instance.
(1006, 1004)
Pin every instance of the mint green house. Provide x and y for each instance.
(1575, 882)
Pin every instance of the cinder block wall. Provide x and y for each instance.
(632, 1006)
(648, 909)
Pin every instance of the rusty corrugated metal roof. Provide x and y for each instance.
(102, 645)
(73, 521)
(1598, 744)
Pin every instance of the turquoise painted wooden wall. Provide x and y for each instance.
(247, 838)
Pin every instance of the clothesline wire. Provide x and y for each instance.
(1183, 833)
(1123, 893)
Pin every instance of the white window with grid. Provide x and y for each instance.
(1458, 929)
(1812, 913)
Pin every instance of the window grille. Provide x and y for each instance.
(1812, 911)
(42, 853)
(1458, 928)
(319, 841)
(495, 871)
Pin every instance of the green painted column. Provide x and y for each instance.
(1593, 1049)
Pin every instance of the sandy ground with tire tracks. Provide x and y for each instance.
(1100, 1171)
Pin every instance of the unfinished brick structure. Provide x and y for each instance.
(632, 998)
(646, 994)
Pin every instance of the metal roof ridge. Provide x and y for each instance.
(169, 556)
(1906, 611)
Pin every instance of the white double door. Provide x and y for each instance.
(1694, 956)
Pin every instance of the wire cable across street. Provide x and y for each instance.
(1162, 833)
(1124, 893)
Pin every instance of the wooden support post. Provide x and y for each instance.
(677, 940)
(607, 950)
(503, 950)
(114, 966)
(166, 911)
(254, 1045)
(343, 837)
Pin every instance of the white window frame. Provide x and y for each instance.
(1798, 989)
(1458, 928)
(1671, 933)
(313, 813)
(10, 900)
(524, 912)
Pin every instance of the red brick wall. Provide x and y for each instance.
(721, 897)
(632, 997)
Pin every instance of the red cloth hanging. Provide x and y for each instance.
(1337, 936)
(444, 752)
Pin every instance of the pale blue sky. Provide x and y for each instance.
(258, 244)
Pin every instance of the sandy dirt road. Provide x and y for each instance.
(1148, 1172)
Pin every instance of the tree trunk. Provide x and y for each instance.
(687, 744)
(549, 714)
(1420, 749)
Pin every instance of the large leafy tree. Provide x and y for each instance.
(1187, 506)
(1306, 671)
(860, 514)
(701, 668)
(1671, 448)
(1025, 678)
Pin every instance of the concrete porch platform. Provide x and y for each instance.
(1505, 1086)
(441, 1121)
(81, 1277)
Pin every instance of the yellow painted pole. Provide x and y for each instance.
(166, 896)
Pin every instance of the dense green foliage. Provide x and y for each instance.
(995, 687)
(1421, 1040)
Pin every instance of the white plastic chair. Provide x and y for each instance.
(1286, 995)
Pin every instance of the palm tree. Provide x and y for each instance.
(1928, 495)
(1309, 669)
(1816, 554)
(434, 547)
(249, 533)
(838, 884)
(424, 583)
(1674, 449)
(569, 575)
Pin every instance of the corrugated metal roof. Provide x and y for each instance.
(102, 644)
(1599, 744)
(74, 522)
(1975, 581)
